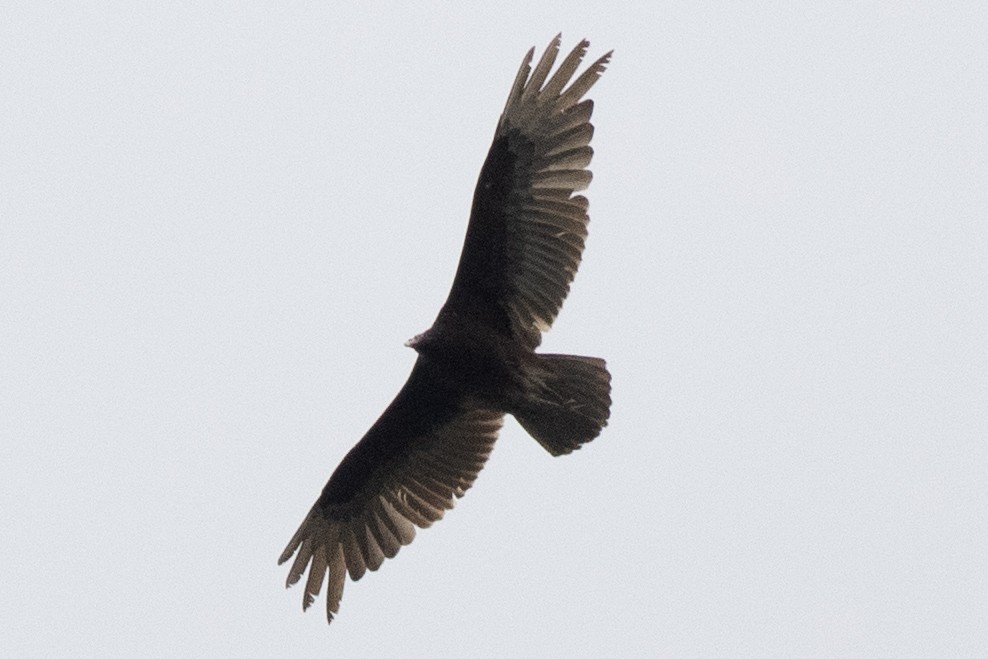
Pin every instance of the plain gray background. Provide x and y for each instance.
(218, 224)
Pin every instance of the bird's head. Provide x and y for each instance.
(419, 341)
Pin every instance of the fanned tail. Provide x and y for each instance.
(571, 404)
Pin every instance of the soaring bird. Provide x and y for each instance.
(478, 362)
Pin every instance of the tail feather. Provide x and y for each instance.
(570, 403)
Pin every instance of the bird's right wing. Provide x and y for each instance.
(527, 226)
(424, 451)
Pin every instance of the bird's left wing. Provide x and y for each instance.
(424, 451)
(527, 225)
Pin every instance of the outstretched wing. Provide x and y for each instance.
(527, 229)
(426, 449)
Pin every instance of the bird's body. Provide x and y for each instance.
(478, 362)
(473, 360)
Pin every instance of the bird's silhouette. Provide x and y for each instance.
(478, 362)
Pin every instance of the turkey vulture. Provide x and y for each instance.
(478, 362)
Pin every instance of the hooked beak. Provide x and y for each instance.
(415, 341)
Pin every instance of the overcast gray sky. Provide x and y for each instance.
(218, 224)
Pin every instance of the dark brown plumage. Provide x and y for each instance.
(478, 361)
